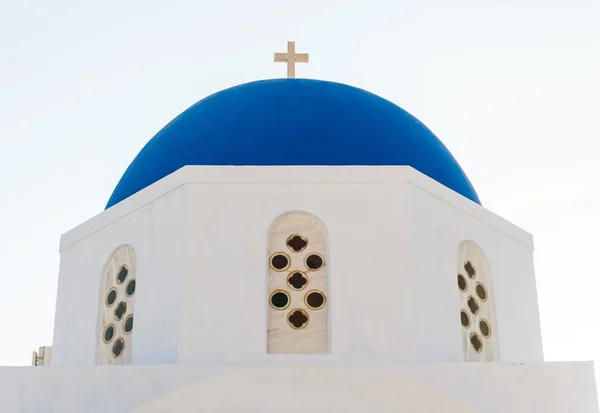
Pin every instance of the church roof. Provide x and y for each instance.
(293, 122)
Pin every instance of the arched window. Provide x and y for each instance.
(477, 313)
(298, 313)
(116, 307)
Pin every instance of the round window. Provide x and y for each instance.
(130, 289)
(279, 300)
(465, 320)
(315, 300)
(481, 291)
(109, 333)
(485, 328)
(128, 324)
(122, 274)
(279, 261)
(118, 347)
(111, 297)
(314, 261)
(462, 282)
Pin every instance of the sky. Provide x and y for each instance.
(512, 89)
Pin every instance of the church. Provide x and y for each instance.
(296, 245)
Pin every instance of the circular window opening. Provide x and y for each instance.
(476, 342)
(298, 319)
(297, 280)
(122, 274)
(470, 269)
(315, 300)
(465, 320)
(280, 300)
(130, 289)
(111, 297)
(473, 305)
(109, 333)
(120, 310)
(279, 261)
(314, 262)
(485, 328)
(462, 282)
(128, 324)
(118, 347)
(297, 243)
(481, 291)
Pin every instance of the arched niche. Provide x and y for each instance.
(297, 285)
(477, 311)
(116, 306)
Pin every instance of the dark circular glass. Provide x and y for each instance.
(464, 319)
(109, 333)
(120, 310)
(462, 282)
(473, 305)
(122, 274)
(315, 299)
(279, 261)
(280, 300)
(314, 262)
(111, 297)
(481, 291)
(485, 329)
(476, 342)
(118, 347)
(130, 290)
(128, 325)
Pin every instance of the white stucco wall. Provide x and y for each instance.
(438, 225)
(200, 237)
(155, 230)
(418, 388)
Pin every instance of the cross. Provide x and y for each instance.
(291, 58)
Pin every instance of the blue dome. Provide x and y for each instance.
(293, 122)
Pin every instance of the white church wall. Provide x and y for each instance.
(439, 225)
(379, 309)
(371, 310)
(464, 387)
(156, 234)
(201, 235)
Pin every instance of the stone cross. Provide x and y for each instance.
(291, 58)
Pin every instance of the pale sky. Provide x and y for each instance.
(513, 90)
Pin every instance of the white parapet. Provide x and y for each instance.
(293, 388)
